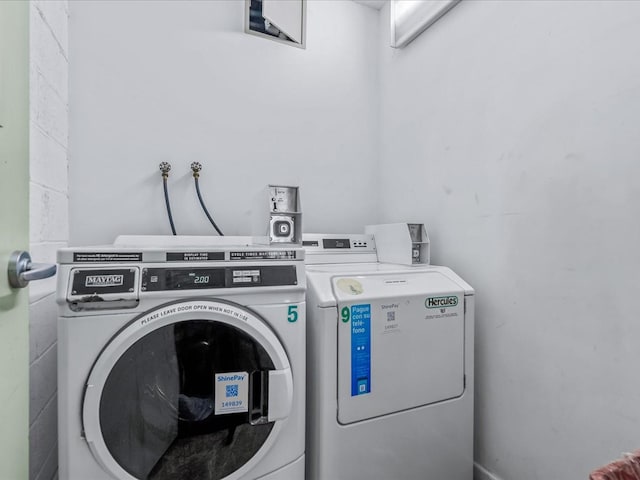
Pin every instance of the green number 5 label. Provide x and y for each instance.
(292, 313)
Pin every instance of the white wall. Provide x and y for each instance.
(180, 82)
(49, 224)
(512, 130)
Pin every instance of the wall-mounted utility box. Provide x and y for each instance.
(401, 243)
(277, 216)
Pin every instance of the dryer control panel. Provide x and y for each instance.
(323, 248)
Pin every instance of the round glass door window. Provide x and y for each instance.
(187, 400)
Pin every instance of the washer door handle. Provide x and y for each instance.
(271, 394)
(280, 394)
(21, 270)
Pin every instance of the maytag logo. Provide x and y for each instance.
(104, 280)
(440, 302)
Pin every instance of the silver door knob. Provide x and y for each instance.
(22, 270)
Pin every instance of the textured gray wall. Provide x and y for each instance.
(511, 129)
(190, 85)
(49, 224)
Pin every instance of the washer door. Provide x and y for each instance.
(192, 389)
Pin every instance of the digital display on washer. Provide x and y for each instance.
(189, 279)
(154, 279)
(336, 243)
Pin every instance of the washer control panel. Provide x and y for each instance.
(163, 279)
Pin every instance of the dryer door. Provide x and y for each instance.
(192, 389)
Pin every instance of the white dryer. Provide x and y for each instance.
(389, 366)
(181, 358)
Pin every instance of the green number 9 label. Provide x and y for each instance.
(346, 314)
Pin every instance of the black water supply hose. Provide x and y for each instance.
(195, 168)
(165, 167)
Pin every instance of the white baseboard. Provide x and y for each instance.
(481, 473)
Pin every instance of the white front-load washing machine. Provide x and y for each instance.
(181, 358)
(389, 366)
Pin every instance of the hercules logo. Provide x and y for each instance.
(441, 302)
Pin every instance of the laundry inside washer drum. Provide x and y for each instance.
(157, 406)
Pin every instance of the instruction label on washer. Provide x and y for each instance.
(103, 257)
(360, 349)
(232, 392)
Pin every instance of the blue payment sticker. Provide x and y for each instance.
(360, 349)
